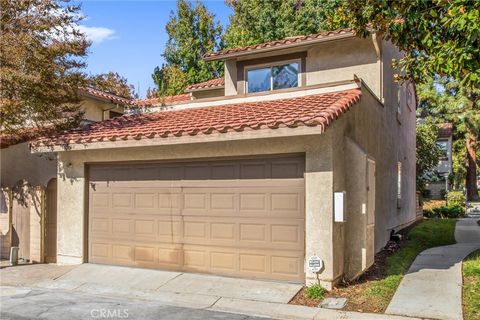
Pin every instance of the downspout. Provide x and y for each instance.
(10, 215)
(378, 51)
(43, 231)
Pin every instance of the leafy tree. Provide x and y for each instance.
(192, 32)
(439, 38)
(257, 21)
(446, 100)
(427, 151)
(114, 83)
(170, 80)
(41, 58)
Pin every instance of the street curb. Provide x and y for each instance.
(294, 312)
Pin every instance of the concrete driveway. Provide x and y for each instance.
(93, 291)
(172, 287)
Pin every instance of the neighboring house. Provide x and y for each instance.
(440, 183)
(305, 148)
(28, 176)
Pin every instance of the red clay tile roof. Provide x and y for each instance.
(315, 110)
(445, 130)
(22, 135)
(7, 140)
(278, 43)
(105, 95)
(213, 83)
(162, 100)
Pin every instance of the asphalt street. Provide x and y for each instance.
(37, 303)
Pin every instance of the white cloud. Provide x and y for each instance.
(98, 34)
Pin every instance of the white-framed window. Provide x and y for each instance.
(268, 77)
(442, 144)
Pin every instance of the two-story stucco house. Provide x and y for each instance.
(306, 147)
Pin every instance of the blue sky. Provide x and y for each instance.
(129, 36)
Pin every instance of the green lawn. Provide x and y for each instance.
(471, 287)
(427, 234)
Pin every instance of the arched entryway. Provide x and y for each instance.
(51, 222)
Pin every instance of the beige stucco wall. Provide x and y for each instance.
(17, 163)
(372, 131)
(98, 110)
(341, 60)
(326, 63)
(230, 78)
(210, 93)
(318, 181)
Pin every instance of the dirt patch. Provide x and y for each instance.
(354, 290)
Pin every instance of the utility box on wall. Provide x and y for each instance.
(339, 206)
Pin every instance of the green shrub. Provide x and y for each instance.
(443, 194)
(427, 213)
(456, 198)
(315, 292)
(444, 212)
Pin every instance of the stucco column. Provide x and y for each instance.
(70, 210)
(319, 211)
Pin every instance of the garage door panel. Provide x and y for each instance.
(99, 225)
(242, 232)
(256, 263)
(122, 227)
(99, 250)
(225, 217)
(145, 200)
(121, 252)
(223, 261)
(170, 230)
(170, 256)
(99, 200)
(223, 232)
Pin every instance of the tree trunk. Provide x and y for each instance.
(471, 178)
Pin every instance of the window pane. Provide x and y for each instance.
(259, 79)
(285, 76)
(443, 146)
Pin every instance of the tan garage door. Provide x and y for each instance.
(242, 218)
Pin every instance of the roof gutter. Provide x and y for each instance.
(281, 47)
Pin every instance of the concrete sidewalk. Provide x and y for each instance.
(432, 287)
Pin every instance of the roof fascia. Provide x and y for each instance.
(280, 47)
